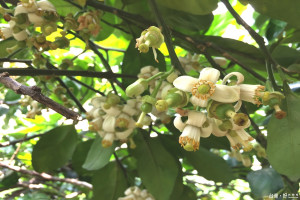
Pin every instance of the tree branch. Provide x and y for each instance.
(56, 72)
(8, 143)
(35, 93)
(47, 177)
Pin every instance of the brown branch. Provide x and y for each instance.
(35, 93)
(47, 177)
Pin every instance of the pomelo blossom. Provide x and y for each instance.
(190, 62)
(147, 72)
(135, 193)
(248, 92)
(195, 127)
(236, 135)
(205, 88)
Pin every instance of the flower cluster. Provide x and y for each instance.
(135, 193)
(216, 102)
(111, 120)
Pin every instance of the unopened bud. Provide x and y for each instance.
(136, 88)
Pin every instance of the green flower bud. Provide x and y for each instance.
(112, 99)
(219, 110)
(226, 125)
(146, 107)
(136, 88)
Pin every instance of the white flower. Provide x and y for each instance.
(147, 72)
(195, 127)
(249, 93)
(190, 62)
(46, 5)
(237, 136)
(6, 33)
(205, 87)
(20, 36)
(135, 193)
(220, 61)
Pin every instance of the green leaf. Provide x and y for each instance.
(285, 55)
(9, 180)
(156, 166)
(4, 44)
(287, 10)
(11, 96)
(187, 194)
(106, 30)
(274, 28)
(187, 23)
(133, 61)
(283, 148)
(54, 148)
(264, 182)
(210, 165)
(215, 142)
(63, 7)
(98, 156)
(196, 7)
(109, 183)
(79, 156)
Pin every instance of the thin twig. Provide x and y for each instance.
(56, 72)
(35, 93)
(85, 85)
(8, 143)
(47, 177)
(165, 29)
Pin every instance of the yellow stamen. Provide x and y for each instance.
(200, 94)
(189, 144)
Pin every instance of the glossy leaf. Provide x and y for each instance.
(287, 10)
(109, 183)
(283, 148)
(63, 7)
(98, 156)
(264, 182)
(54, 148)
(4, 44)
(196, 7)
(156, 166)
(79, 156)
(133, 61)
(210, 165)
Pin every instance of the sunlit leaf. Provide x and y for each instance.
(283, 148)
(54, 148)
(109, 183)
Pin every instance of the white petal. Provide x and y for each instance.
(97, 123)
(185, 83)
(113, 111)
(129, 110)
(22, 35)
(244, 135)
(238, 105)
(46, 5)
(220, 61)
(20, 10)
(215, 128)
(101, 133)
(109, 123)
(206, 132)
(240, 77)
(108, 139)
(97, 101)
(196, 118)
(198, 102)
(35, 19)
(147, 69)
(209, 74)
(124, 134)
(226, 94)
(165, 90)
(7, 32)
(191, 132)
(178, 123)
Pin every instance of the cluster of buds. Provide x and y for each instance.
(135, 193)
(245, 159)
(89, 24)
(111, 120)
(190, 62)
(151, 37)
(34, 108)
(29, 12)
(60, 92)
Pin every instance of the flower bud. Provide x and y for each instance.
(137, 88)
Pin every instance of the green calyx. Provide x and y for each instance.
(226, 125)
(272, 98)
(218, 110)
(112, 99)
(203, 89)
(146, 107)
(177, 98)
